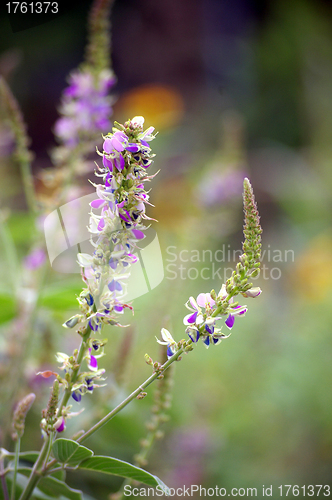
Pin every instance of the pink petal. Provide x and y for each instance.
(97, 203)
(107, 163)
(107, 146)
(139, 235)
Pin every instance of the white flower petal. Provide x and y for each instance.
(85, 259)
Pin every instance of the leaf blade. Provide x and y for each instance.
(70, 452)
(54, 487)
(109, 465)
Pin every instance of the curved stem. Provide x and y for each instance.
(126, 401)
(35, 474)
(134, 394)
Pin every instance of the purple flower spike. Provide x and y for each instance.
(114, 285)
(230, 321)
(93, 364)
(118, 308)
(77, 396)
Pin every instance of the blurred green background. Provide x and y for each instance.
(235, 89)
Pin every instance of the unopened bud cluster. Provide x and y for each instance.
(209, 308)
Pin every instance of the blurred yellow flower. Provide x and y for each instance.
(312, 276)
(160, 104)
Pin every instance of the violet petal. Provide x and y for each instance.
(230, 321)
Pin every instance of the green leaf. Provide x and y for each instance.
(53, 487)
(50, 487)
(29, 456)
(21, 482)
(109, 465)
(70, 452)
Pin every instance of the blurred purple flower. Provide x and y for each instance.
(35, 259)
(220, 186)
(86, 107)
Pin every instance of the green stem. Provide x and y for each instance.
(49, 449)
(17, 455)
(133, 395)
(35, 474)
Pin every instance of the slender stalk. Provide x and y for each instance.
(130, 398)
(35, 474)
(133, 395)
(17, 455)
(49, 449)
